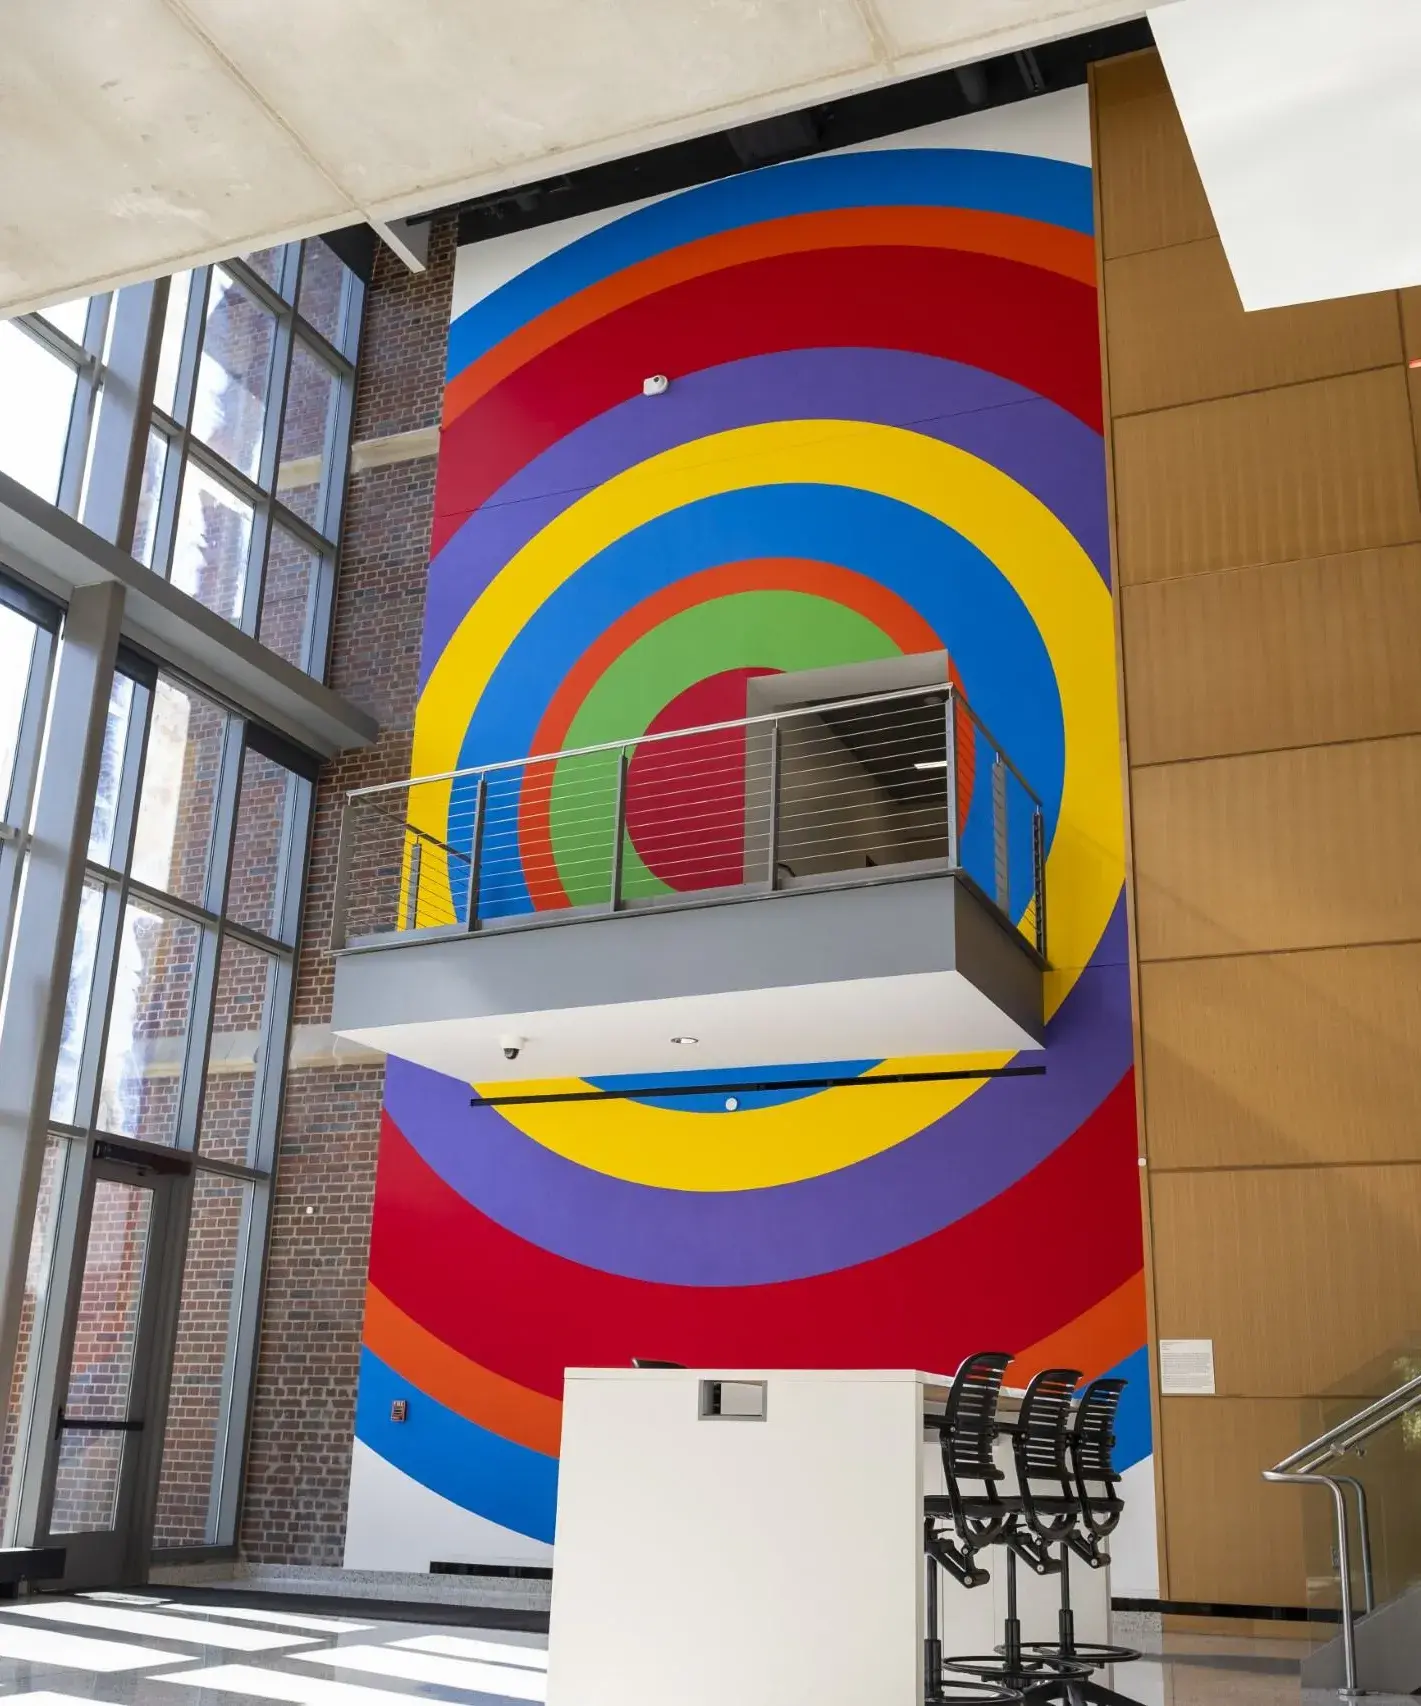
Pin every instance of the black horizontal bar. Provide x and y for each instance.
(1207, 1608)
(94, 1424)
(750, 1089)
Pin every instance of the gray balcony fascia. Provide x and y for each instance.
(920, 965)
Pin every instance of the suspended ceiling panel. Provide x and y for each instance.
(1304, 117)
(141, 138)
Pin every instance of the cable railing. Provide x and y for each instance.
(1305, 1468)
(842, 793)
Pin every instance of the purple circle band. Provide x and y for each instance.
(1034, 442)
(784, 1232)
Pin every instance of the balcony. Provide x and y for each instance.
(827, 879)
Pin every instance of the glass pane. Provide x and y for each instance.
(36, 395)
(305, 434)
(229, 409)
(69, 317)
(197, 1417)
(1387, 1469)
(145, 531)
(63, 1101)
(120, 716)
(292, 574)
(148, 1024)
(56, 1153)
(171, 350)
(241, 1012)
(322, 298)
(214, 535)
(266, 263)
(86, 1489)
(172, 846)
(256, 888)
(17, 645)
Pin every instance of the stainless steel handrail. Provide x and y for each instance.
(949, 691)
(1300, 1469)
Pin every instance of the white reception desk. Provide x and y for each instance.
(707, 1559)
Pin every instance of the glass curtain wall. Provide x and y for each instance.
(246, 439)
(179, 992)
(175, 1035)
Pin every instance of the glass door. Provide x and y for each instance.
(100, 1459)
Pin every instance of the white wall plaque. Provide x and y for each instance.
(1186, 1367)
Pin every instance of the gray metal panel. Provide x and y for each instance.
(785, 940)
(1388, 1650)
(60, 555)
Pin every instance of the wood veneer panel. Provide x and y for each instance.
(1411, 319)
(1280, 1059)
(1299, 849)
(1300, 1275)
(1303, 471)
(1233, 1539)
(1177, 332)
(1150, 191)
(1281, 654)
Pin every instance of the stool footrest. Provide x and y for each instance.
(957, 1692)
(1093, 1653)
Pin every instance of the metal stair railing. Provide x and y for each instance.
(1302, 1469)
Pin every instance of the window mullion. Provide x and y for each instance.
(192, 1085)
(99, 1011)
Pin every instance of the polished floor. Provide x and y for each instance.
(143, 1649)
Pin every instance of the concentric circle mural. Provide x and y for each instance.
(882, 437)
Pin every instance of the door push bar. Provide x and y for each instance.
(93, 1424)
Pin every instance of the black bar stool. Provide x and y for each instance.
(970, 1516)
(1044, 1512)
(1091, 1444)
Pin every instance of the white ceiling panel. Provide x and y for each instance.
(142, 137)
(432, 88)
(1305, 121)
(125, 148)
(933, 28)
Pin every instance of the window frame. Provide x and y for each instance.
(209, 915)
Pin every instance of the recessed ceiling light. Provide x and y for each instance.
(685, 1041)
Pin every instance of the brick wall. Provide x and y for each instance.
(308, 1360)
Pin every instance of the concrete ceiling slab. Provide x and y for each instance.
(1305, 123)
(126, 148)
(142, 138)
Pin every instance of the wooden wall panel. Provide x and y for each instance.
(1411, 320)
(1214, 1452)
(1283, 654)
(1300, 1275)
(1266, 478)
(1213, 348)
(1152, 194)
(1334, 1074)
(1305, 471)
(1314, 847)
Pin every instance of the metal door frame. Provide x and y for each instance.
(118, 1556)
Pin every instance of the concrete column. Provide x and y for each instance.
(32, 1019)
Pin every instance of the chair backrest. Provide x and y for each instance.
(1092, 1446)
(1093, 1435)
(970, 1419)
(1041, 1446)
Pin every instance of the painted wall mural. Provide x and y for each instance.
(882, 436)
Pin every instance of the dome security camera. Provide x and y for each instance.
(512, 1046)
